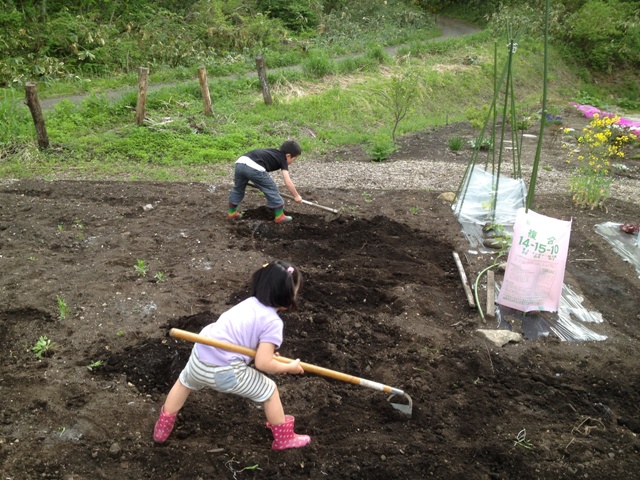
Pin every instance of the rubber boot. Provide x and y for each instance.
(287, 418)
(284, 437)
(233, 213)
(164, 425)
(279, 216)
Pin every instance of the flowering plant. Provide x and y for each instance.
(600, 142)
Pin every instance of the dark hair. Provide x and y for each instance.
(291, 147)
(274, 285)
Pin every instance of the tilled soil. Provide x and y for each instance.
(382, 300)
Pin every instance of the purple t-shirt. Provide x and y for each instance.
(247, 324)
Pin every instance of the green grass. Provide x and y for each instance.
(325, 104)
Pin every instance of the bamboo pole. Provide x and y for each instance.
(262, 75)
(465, 282)
(204, 88)
(31, 90)
(143, 76)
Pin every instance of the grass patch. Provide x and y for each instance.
(325, 103)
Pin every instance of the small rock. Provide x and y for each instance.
(115, 449)
(447, 196)
(500, 337)
(147, 207)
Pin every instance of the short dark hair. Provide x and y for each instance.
(276, 283)
(291, 147)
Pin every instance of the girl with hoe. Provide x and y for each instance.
(253, 323)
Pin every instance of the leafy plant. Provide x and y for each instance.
(414, 210)
(63, 308)
(367, 197)
(600, 142)
(477, 116)
(380, 148)
(159, 276)
(141, 268)
(94, 365)
(252, 467)
(317, 65)
(484, 143)
(455, 143)
(522, 441)
(42, 347)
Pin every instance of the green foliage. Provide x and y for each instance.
(14, 121)
(95, 365)
(380, 147)
(377, 54)
(477, 116)
(525, 17)
(98, 137)
(598, 146)
(401, 95)
(481, 143)
(43, 347)
(141, 268)
(317, 65)
(522, 440)
(455, 143)
(296, 15)
(605, 34)
(63, 308)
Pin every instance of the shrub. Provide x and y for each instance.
(317, 65)
(380, 148)
(455, 143)
(600, 142)
(604, 34)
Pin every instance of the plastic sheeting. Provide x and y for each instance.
(624, 244)
(567, 324)
(475, 202)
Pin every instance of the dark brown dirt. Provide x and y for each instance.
(382, 300)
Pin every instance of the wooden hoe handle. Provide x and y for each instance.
(307, 367)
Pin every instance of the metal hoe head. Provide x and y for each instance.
(405, 408)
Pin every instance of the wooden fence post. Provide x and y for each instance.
(262, 75)
(143, 75)
(33, 103)
(204, 88)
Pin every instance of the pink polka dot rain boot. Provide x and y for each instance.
(287, 418)
(164, 425)
(284, 437)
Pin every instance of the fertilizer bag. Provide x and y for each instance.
(534, 274)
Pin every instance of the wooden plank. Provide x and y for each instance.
(465, 283)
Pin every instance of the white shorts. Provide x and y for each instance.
(237, 378)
